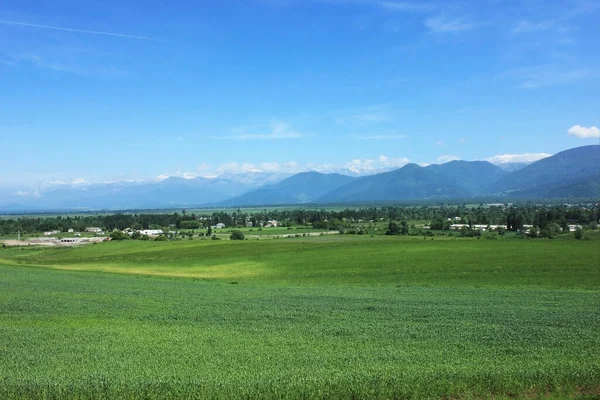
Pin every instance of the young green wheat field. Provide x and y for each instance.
(326, 317)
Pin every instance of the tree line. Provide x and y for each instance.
(513, 217)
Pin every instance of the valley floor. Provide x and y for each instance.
(309, 317)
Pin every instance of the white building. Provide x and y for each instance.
(71, 230)
(573, 228)
(93, 229)
(151, 232)
(457, 227)
(220, 225)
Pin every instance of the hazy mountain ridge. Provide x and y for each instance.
(456, 179)
(553, 175)
(304, 187)
(573, 173)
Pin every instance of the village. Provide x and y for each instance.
(91, 235)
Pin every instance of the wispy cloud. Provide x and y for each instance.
(278, 130)
(527, 26)
(65, 29)
(352, 167)
(446, 158)
(443, 24)
(524, 158)
(583, 132)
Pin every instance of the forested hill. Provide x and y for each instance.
(456, 179)
(304, 187)
(573, 173)
(570, 174)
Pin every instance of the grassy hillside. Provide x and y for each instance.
(324, 317)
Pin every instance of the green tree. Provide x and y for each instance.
(118, 235)
(392, 229)
(404, 228)
(236, 235)
(533, 232)
(579, 234)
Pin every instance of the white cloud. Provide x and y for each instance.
(291, 165)
(524, 158)
(356, 166)
(179, 174)
(445, 159)
(382, 163)
(393, 162)
(583, 132)
(360, 166)
(439, 143)
(441, 24)
(269, 167)
(277, 130)
(79, 181)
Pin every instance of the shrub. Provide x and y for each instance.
(161, 238)
(118, 235)
(578, 234)
(491, 235)
(215, 238)
(236, 235)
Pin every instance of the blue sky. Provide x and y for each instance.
(118, 90)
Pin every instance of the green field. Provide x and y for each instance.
(321, 317)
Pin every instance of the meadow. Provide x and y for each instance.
(319, 317)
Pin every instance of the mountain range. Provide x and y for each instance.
(571, 174)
